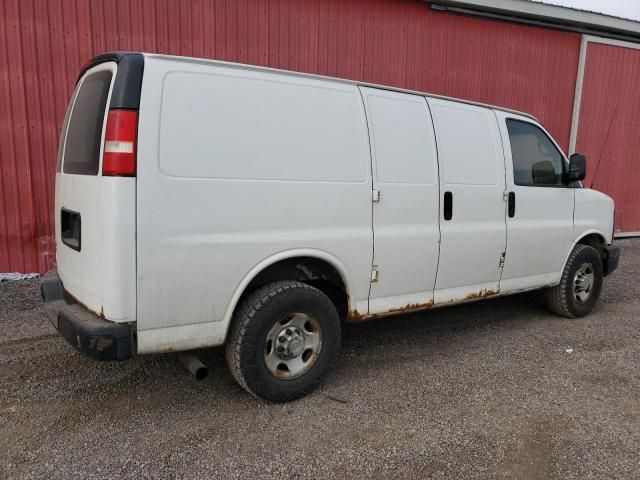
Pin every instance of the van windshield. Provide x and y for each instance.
(84, 133)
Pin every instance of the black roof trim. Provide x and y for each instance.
(128, 83)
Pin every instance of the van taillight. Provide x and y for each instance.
(119, 158)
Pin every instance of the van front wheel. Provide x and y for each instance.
(580, 284)
(283, 340)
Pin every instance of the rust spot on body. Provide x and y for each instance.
(412, 307)
(484, 293)
(76, 300)
(356, 317)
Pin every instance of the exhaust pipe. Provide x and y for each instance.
(194, 365)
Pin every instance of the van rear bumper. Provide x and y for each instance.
(95, 337)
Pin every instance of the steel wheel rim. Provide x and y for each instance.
(583, 283)
(292, 346)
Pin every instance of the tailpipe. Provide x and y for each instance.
(194, 365)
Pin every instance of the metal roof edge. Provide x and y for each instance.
(555, 15)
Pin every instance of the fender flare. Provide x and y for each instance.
(582, 235)
(284, 255)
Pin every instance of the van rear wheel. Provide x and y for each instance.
(283, 340)
(580, 284)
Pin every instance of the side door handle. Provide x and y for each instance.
(448, 206)
(511, 208)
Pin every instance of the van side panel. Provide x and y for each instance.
(472, 183)
(234, 167)
(405, 220)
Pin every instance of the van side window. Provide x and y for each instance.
(536, 160)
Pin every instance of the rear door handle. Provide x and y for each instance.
(448, 206)
(70, 229)
(511, 209)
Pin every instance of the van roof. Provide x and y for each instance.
(243, 66)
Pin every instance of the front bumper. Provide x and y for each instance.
(611, 262)
(92, 335)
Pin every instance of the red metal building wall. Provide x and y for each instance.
(43, 44)
(609, 128)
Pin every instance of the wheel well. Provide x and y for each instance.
(596, 241)
(313, 271)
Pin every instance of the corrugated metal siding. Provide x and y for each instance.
(402, 43)
(609, 128)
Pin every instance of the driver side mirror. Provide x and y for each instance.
(577, 168)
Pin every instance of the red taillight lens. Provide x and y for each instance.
(120, 143)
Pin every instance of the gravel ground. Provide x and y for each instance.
(480, 390)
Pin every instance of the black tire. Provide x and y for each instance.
(562, 299)
(257, 317)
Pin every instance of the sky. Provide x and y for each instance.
(629, 9)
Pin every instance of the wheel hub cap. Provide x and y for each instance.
(292, 345)
(583, 283)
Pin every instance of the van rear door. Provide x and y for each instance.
(95, 207)
(78, 228)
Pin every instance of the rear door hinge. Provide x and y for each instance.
(374, 274)
(501, 264)
(505, 196)
(376, 195)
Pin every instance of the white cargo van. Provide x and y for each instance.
(203, 203)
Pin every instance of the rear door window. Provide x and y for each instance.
(84, 132)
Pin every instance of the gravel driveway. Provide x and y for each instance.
(500, 388)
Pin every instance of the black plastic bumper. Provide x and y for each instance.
(95, 337)
(611, 262)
